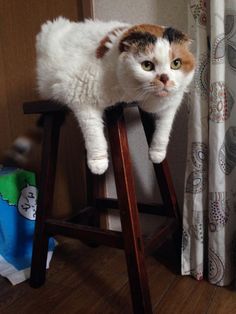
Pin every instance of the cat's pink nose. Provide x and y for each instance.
(164, 78)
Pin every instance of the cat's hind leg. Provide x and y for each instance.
(91, 122)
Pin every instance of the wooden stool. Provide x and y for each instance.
(130, 239)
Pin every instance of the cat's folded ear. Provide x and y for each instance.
(124, 46)
(188, 41)
(175, 36)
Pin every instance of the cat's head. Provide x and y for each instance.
(154, 61)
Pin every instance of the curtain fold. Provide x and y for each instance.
(209, 215)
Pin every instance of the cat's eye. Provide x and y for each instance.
(176, 64)
(147, 65)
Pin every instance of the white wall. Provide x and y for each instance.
(163, 12)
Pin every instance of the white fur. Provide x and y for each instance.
(69, 71)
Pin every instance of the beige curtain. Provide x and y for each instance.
(209, 216)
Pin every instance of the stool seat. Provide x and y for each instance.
(130, 238)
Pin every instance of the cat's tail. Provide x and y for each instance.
(19, 152)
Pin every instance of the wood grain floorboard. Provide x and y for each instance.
(120, 302)
(186, 296)
(94, 280)
(103, 280)
(9, 294)
(224, 301)
(38, 301)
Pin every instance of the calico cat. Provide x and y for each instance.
(92, 65)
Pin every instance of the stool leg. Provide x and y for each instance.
(133, 243)
(162, 171)
(52, 123)
(165, 183)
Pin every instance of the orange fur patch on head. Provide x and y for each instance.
(181, 51)
(140, 38)
(146, 28)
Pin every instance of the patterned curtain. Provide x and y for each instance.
(209, 216)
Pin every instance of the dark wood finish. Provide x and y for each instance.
(52, 124)
(43, 106)
(84, 216)
(157, 238)
(133, 243)
(166, 188)
(88, 9)
(162, 171)
(85, 233)
(130, 239)
(152, 209)
(85, 280)
(95, 187)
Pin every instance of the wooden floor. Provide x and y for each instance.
(94, 280)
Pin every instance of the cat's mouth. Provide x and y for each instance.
(162, 93)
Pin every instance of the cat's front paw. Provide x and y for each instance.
(98, 165)
(157, 156)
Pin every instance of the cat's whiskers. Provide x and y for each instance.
(144, 101)
(140, 92)
(135, 88)
(143, 95)
(154, 89)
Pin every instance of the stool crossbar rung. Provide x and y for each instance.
(130, 238)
